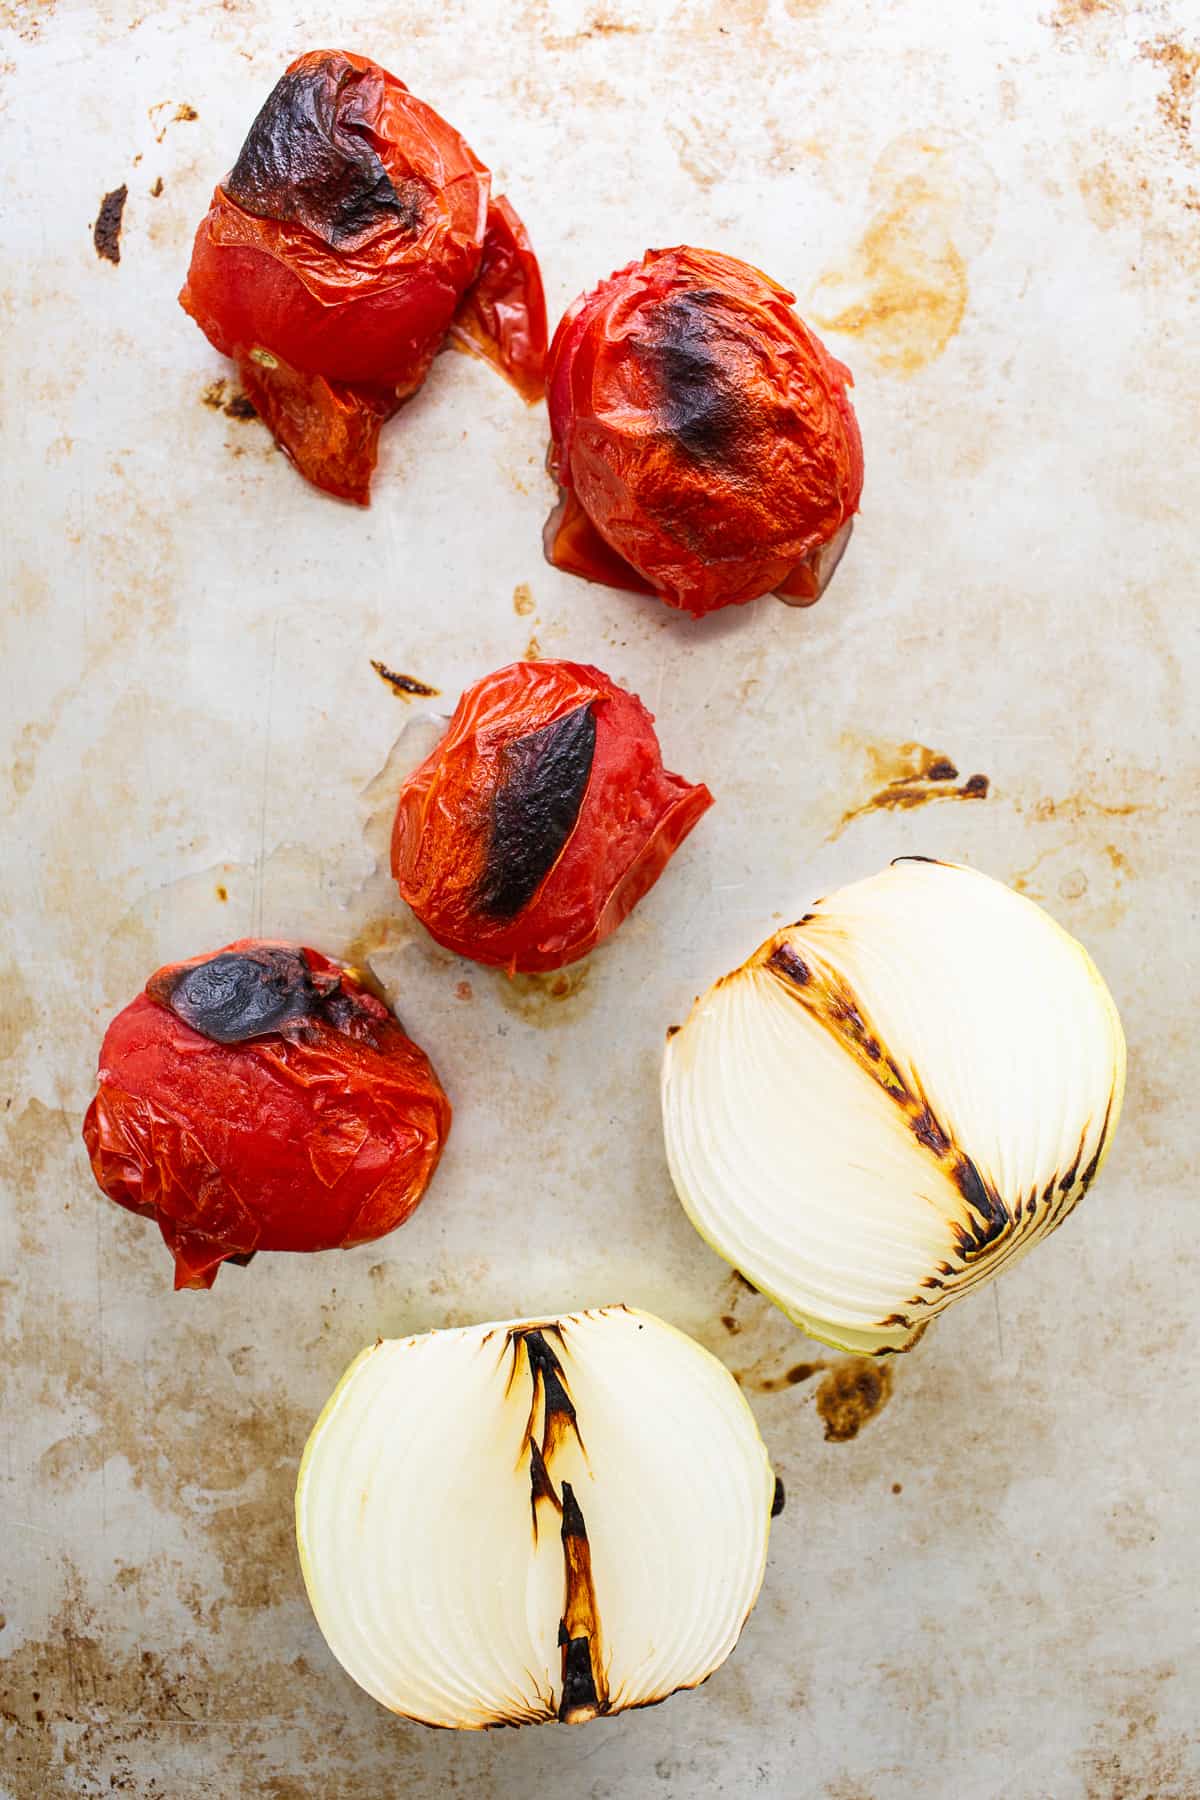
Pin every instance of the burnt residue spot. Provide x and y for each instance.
(779, 1500)
(219, 397)
(673, 1031)
(851, 1394)
(904, 776)
(784, 960)
(309, 158)
(106, 232)
(736, 1276)
(774, 1384)
(243, 994)
(157, 187)
(686, 352)
(542, 781)
(405, 685)
(184, 113)
(731, 1324)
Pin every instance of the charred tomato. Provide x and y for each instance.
(354, 232)
(701, 435)
(541, 818)
(262, 1099)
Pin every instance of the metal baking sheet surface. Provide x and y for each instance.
(990, 210)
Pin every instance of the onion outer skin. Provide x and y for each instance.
(651, 1539)
(927, 1051)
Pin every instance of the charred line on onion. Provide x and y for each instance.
(543, 778)
(307, 160)
(835, 1006)
(784, 960)
(1089, 1174)
(584, 1694)
(404, 685)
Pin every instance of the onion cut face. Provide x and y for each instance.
(892, 1099)
(535, 1520)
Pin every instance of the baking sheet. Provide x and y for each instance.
(990, 1590)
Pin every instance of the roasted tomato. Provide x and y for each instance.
(540, 819)
(354, 232)
(701, 435)
(261, 1099)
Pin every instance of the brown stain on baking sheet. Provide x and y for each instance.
(1180, 64)
(548, 998)
(903, 776)
(795, 1376)
(902, 290)
(405, 687)
(853, 1390)
(169, 112)
(220, 396)
(851, 1395)
(106, 232)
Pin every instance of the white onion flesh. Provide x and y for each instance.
(892, 1099)
(468, 1498)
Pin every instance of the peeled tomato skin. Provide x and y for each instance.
(702, 430)
(333, 260)
(317, 1135)
(541, 819)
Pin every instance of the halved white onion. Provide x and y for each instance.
(893, 1098)
(533, 1520)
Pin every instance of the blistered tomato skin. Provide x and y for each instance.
(541, 819)
(701, 435)
(354, 233)
(261, 1099)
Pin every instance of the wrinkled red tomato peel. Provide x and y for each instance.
(541, 819)
(261, 1099)
(702, 437)
(354, 232)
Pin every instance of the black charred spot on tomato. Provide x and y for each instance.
(106, 232)
(243, 994)
(779, 1499)
(309, 159)
(784, 960)
(243, 1260)
(987, 1206)
(543, 779)
(685, 352)
(403, 684)
(928, 1132)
